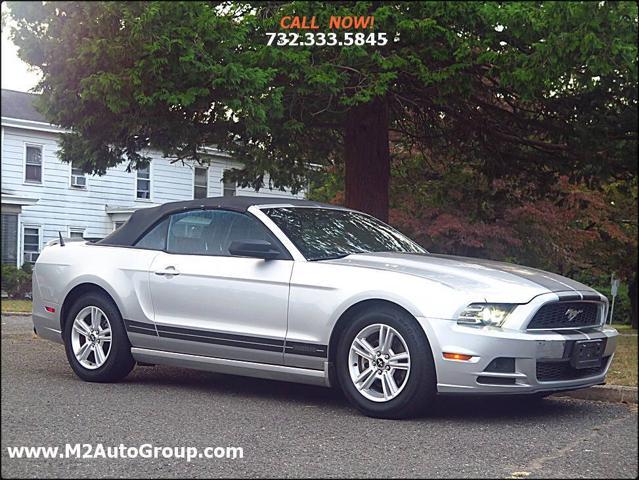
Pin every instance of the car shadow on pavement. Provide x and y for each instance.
(222, 384)
(503, 408)
(480, 408)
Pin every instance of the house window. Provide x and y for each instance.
(229, 188)
(144, 183)
(31, 243)
(118, 224)
(75, 232)
(200, 182)
(78, 179)
(33, 164)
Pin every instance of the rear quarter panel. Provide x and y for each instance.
(121, 272)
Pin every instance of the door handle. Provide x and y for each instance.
(168, 271)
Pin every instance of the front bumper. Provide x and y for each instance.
(485, 344)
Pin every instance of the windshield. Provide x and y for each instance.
(324, 233)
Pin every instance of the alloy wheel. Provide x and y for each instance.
(91, 337)
(379, 362)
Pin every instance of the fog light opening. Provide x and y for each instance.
(501, 365)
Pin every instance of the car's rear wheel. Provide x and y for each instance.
(96, 343)
(384, 364)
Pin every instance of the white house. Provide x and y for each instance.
(42, 196)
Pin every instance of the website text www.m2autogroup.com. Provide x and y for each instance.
(91, 451)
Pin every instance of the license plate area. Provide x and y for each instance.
(587, 354)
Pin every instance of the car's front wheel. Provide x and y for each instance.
(384, 364)
(96, 343)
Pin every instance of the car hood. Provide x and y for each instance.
(493, 281)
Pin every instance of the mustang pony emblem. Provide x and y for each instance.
(572, 313)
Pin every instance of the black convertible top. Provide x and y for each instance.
(144, 218)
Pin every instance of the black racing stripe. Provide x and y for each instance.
(591, 296)
(139, 327)
(224, 336)
(143, 331)
(308, 349)
(131, 323)
(576, 296)
(568, 296)
(227, 339)
(220, 341)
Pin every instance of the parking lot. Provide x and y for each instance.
(290, 430)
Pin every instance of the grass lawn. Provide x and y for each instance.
(16, 305)
(623, 328)
(623, 370)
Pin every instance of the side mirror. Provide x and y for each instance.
(254, 248)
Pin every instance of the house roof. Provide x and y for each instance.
(145, 218)
(20, 105)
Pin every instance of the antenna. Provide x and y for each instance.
(61, 239)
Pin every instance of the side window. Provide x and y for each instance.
(211, 232)
(155, 239)
(191, 232)
(243, 227)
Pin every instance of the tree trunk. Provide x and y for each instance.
(633, 293)
(367, 160)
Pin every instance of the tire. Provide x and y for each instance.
(116, 361)
(416, 385)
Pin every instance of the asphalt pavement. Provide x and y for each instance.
(289, 430)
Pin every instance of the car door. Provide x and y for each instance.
(209, 302)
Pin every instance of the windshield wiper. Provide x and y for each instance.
(331, 257)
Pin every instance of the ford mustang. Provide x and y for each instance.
(300, 291)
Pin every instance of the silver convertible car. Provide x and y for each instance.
(305, 292)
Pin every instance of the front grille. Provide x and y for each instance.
(566, 315)
(555, 371)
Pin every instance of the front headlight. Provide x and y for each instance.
(493, 314)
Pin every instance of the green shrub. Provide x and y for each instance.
(16, 282)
